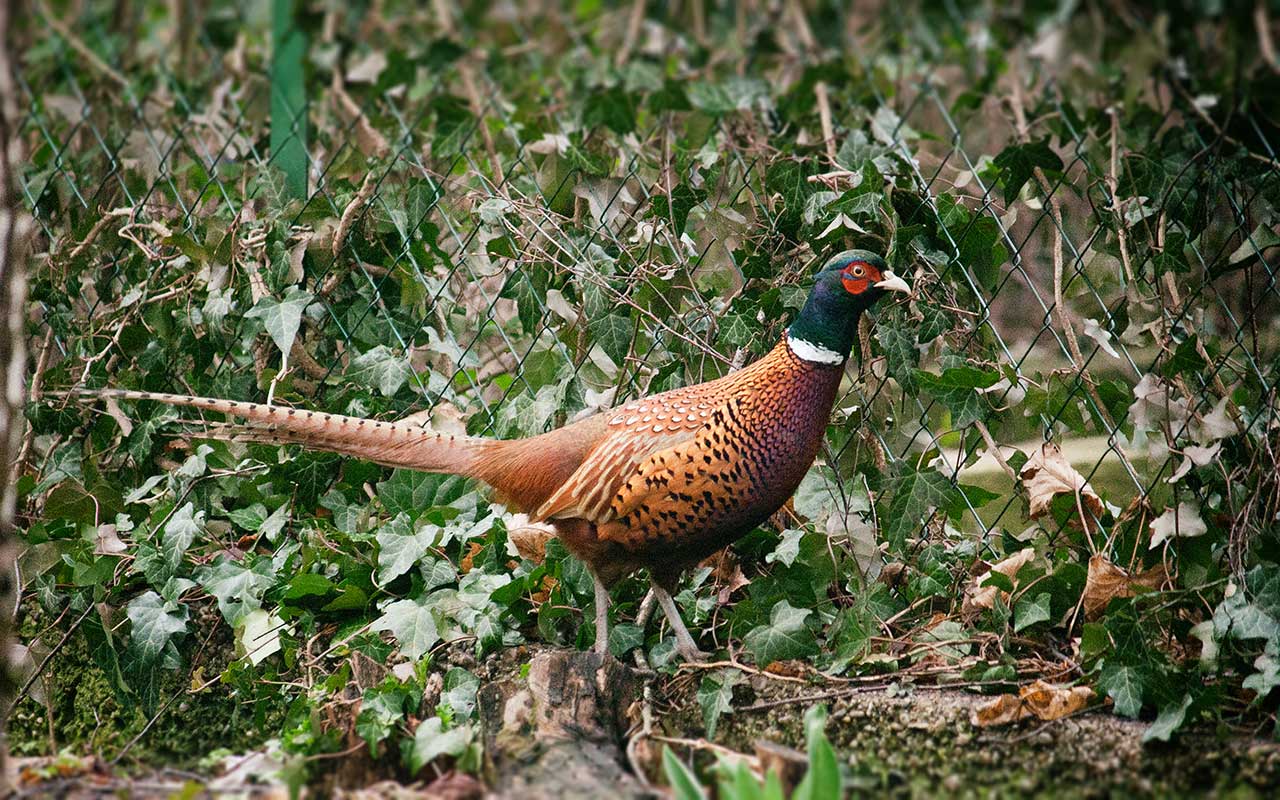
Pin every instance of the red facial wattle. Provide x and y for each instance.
(857, 276)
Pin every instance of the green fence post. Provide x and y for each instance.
(288, 99)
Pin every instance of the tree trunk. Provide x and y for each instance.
(561, 732)
(15, 228)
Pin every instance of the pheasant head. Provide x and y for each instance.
(847, 285)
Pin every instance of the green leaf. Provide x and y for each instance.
(786, 636)
(413, 493)
(154, 621)
(237, 586)
(381, 709)
(612, 108)
(380, 369)
(822, 780)
(957, 388)
(281, 318)
(400, 547)
(413, 623)
(1028, 611)
(1268, 675)
(676, 208)
(179, 532)
(1169, 720)
(1125, 686)
(916, 495)
(613, 333)
(430, 741)
(683, 782)
(459, 694)
(788, 547)
(898, 342)
(1017, 163)
(715, 697)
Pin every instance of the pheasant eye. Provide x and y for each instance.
(857, 270)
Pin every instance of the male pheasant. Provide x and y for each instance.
(659, 483)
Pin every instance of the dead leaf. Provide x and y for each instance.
(1184, 521)
(1047, 475)
(1106, 581)
(978, 597)
(108, 542)
(1041, 700)
(726, 573)
(468, 561)
(530, 539)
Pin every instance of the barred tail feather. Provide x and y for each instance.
(393, 444)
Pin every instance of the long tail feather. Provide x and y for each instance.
(394, 444)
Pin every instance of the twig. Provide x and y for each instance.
(994, 449)
(344, 227)
(634, 22)
(1113, 186)
(1265, 43)
(77, 44)
(33, 395)
(824, 115)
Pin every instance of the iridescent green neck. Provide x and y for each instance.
(826, 322)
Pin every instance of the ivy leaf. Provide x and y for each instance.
(1125, 686)
(676, 208)
(281, 318)
(430, 741)
(381, 709)
(410, 492)
(179, 532)
(785, 636)
(715, 697)
(237, 587)
(957, 388)
(1028, 612)
(788, 548)
(1268, 675)
(916, 495)
(613, 333)
(899, 344)
(612, 108)
(1170, 719)
(1018, 162)
(413, 623)
(154, 621)
(381, 369)
(400, 547)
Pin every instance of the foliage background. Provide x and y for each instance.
(502, 218)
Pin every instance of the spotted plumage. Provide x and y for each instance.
(658, 483)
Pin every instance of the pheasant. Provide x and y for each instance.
(659, 483)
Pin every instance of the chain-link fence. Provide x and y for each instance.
(509, 237)
(469, 212)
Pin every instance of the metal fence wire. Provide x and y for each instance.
(491, 257)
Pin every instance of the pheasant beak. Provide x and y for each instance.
(892, 283)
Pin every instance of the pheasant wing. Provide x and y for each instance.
(689, 487)
(634, 432)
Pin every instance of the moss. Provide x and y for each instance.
(922, 744)
(90, 717)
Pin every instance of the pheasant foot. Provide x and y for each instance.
(685, 646)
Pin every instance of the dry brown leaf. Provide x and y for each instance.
(1047, 475)
(530, 539)
(978, 597)
(1042, 700)
(1106, 581)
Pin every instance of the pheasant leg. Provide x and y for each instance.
(602, 616)
(685, 645)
